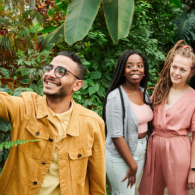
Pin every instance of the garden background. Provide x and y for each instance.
(32, 33)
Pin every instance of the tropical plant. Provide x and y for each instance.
(16, 33)
(99, 58)
(81, 14)
(23, 76)
(185, 23)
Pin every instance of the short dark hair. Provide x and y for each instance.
(77, 59)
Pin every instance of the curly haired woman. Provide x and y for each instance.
(170, 155)
(127, 114)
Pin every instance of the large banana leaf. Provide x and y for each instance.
(81, 14)
(177, 3)
(119, 15)
(54, 37)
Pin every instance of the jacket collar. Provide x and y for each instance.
(42, 109)
(73, 127)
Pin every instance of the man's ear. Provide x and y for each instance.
(78, 84)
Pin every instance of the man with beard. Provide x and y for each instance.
(69, 153)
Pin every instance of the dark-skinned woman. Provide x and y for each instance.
(127, 114)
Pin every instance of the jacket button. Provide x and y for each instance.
(37, 133)
(35, 183)
(43, 162)
(51, 140)
(79, 155)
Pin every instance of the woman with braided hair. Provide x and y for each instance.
(126, 112)
(170, 158)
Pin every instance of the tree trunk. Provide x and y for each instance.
(32, 4)
(21, 3)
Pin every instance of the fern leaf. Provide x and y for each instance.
(9, 144)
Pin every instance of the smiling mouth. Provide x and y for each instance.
(50, 83)
(176, 78)
(135, 75)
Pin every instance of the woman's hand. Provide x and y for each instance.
(191, 179)
(131, 175)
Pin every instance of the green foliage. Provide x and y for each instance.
(151, 32)
(186, 26)
(54, 37)
(100, 54)
(20, 63)
(81, 14)
(9, 144)
(177, 3)
(118, 18)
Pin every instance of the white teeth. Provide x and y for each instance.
(135, 75)
(52, 84)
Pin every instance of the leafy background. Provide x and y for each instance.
(29, 40)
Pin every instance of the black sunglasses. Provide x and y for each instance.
(59, 71)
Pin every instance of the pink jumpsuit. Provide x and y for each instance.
(169, 148)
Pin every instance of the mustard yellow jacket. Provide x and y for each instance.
(81, 152)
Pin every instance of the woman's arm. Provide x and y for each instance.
(191, 176)
(123, 150)
(114, 123)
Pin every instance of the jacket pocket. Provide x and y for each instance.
(35, 148)
(79, 161)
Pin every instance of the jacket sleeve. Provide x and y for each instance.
(10, 106)
(97, 165)
(114, 116)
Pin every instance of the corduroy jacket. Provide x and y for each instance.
(81, 151)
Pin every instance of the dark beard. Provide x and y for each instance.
(61, 94)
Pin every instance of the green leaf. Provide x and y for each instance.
(4, 125)
(119, 15)
(93, 89)
(101, 91)
(25, 71)
(20, 90)
(5, 89)
(5, 72)
(186, 25)
(95, 75)
(53, 38)
(24, 81)
(90, 81)
(86, 63)
(85, 84)
(35, 88)
(9, 144)
(40, 83)
(47, 30)
(79, 19)
(177, 3)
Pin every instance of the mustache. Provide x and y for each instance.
(52, 80)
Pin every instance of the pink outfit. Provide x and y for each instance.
(144, 114)
(169, 147)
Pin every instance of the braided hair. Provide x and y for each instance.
(164, 84)
(118, 79)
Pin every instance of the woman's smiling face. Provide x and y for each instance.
(180, 70)
(134, 69)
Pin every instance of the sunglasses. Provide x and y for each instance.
(59, 71)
